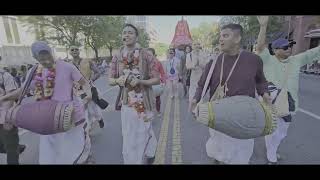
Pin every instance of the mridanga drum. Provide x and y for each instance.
(240, 117)
(42, 117)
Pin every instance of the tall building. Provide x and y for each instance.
(15, 41)
(143, 22)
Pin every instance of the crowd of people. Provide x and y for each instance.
(227, 72)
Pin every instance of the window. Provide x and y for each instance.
(15, 30)
(7, 29)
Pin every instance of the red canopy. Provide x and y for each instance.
(182, 34)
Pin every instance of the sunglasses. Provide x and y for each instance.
(286, 47)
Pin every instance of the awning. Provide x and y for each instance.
(313, 34)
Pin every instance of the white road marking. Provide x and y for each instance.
(176, 135)
(309, 113)
(160, 156)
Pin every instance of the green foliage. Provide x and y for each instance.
(251, 26)
(161, 48)
(207, 34)
(92, 31)
(143, 38)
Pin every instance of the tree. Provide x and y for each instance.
(143, 38)
(93, 28)
(251, 26)
(206, 34)
(161, 48)
(113, 35)
(316, 20)
(64, 30)
(94, 31)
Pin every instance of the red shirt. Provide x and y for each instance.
(160, 69)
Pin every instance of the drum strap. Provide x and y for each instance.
(225, 86)
(2, 83)
(206, 84)
(27, 84)
(211, 115)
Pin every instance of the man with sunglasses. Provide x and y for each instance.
(277, 68)
(93, 112)
(89, 70)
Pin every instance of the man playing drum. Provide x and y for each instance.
(54, 80)
(245, 71)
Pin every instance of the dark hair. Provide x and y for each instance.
(23, 68)
(189, 47)
(172, 49)
(14, 72)
(152, 50)
(130, 25)
(234, 27)
(78, 47)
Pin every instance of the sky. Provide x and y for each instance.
(165, 25)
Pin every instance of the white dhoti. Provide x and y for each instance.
(273, 140)
(139, 140)
(63, 148)
(229, 150)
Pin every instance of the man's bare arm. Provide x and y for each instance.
(261, 42)
(11, 96)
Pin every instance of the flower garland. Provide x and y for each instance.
(132, 60)
(42, 91)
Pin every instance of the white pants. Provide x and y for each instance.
(139, 140)
(63, 148)
(173, 87)
(229, 150)
(273, 140)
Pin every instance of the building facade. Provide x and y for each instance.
(16, 40)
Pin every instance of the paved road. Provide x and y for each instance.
(182, 140)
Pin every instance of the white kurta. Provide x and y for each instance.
(229, 150)
(196, 61)
(139, 140)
